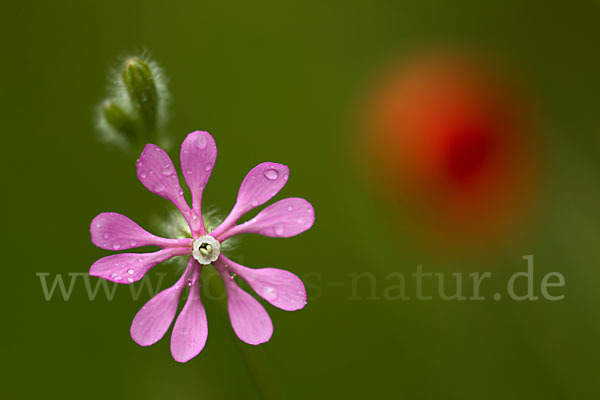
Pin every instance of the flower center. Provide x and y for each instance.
(206, 249)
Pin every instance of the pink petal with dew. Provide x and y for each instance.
(113, 231)
(156, 172)
(131, 267)
(198, 156)
(279, 287)
(260, 185)
(191, 328)
(249, 319)
(287, 217)
(153, 320)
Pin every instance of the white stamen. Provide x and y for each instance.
(206, 249)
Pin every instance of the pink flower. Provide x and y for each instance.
(250, 321)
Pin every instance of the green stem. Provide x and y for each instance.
(213, 278)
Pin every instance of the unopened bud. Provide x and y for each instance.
(118, 119)
(141, 89)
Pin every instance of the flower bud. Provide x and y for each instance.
(134, 112)
(118, 120)
(141, 89)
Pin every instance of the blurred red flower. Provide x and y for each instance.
(454, 138)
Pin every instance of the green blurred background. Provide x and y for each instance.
(280, 81)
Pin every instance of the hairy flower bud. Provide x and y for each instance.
(134, 112)
(141, 89)
(116, 117)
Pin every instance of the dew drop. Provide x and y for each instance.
(208, 167)
(130, 271)
(159, 188)
(189, 172)
(180, 191)
(201, 141)
(269, 293)
(140, 260)
(143, 175)
(271, 174)
(167, 170)
(116, 246)
(133, 243)
(290, 208)
(105, 236)
(129, 280)
(116, 277)
(279, 229)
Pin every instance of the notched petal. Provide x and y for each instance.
(157, 173)
(281, 288)
(191, 329)
(113, 231)
(131, 267)
(198, 157)
(260, 185)
(249, 319)
(286, 218)
(153, 320)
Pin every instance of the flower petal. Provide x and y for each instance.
(260, 185)
(131, 267)
(285, 218)
(249, 319)
(191, 329)
(113, 231)
(198, 156)
(156, 172)
(153, 320)
(279, 287)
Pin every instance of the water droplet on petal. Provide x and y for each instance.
(143, 175)
(279, 229)
(290, 208)
(271, 174)
(269, 293)
(180, 191)
(129, 280)
(105, 236)
(116, 246)
(208, 167)
(159, 188)
(201, 141)
(116, 277)
(130, 271)
(167, 170)
(140, 260)
(133, 243)
(189, 172)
